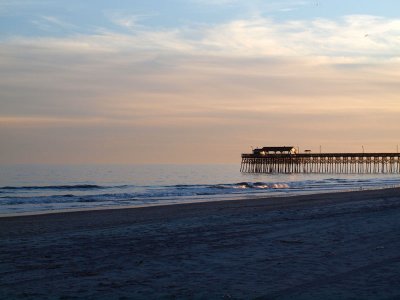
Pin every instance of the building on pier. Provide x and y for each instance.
(275, 150)
(288, 160)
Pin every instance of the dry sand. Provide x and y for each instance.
(331, 246)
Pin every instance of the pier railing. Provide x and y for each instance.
(340, 163)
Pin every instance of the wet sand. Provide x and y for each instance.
(329, 246)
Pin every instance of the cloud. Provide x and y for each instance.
(204, 89)
(128, 21)
(257, 55)
(215, 2)
(52, 23)
(355, 37)
(282, 5)
(319, 37)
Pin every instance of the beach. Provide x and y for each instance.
(322, 246)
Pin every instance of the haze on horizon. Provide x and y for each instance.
(196, 81)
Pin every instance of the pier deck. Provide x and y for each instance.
(338, 163)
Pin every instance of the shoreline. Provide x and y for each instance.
(321, 246)
(122, 207)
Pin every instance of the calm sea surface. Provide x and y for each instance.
(34, 188)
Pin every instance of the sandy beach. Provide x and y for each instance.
(327, 246)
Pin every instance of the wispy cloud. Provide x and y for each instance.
(259, 7)
(352, 36)
(126, 20)
(286, 6)
(51, 23)
(357, 37)
(215, 2)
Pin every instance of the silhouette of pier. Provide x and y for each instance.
(288, 160)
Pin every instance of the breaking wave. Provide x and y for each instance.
(251, 185)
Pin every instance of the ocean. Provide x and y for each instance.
(42, 188)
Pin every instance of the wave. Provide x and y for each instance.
(14, 198)
(74, 192)
(202, 188)
(59, 187)
(67, 198)
(238, 185)
(137, 191)
(251, 185)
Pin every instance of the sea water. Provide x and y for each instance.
(40, 188)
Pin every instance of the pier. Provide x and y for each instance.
(289, 160)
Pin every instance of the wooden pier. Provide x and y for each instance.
(287, 160)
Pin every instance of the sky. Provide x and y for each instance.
(195, 81)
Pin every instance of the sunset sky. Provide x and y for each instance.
(195, 81)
